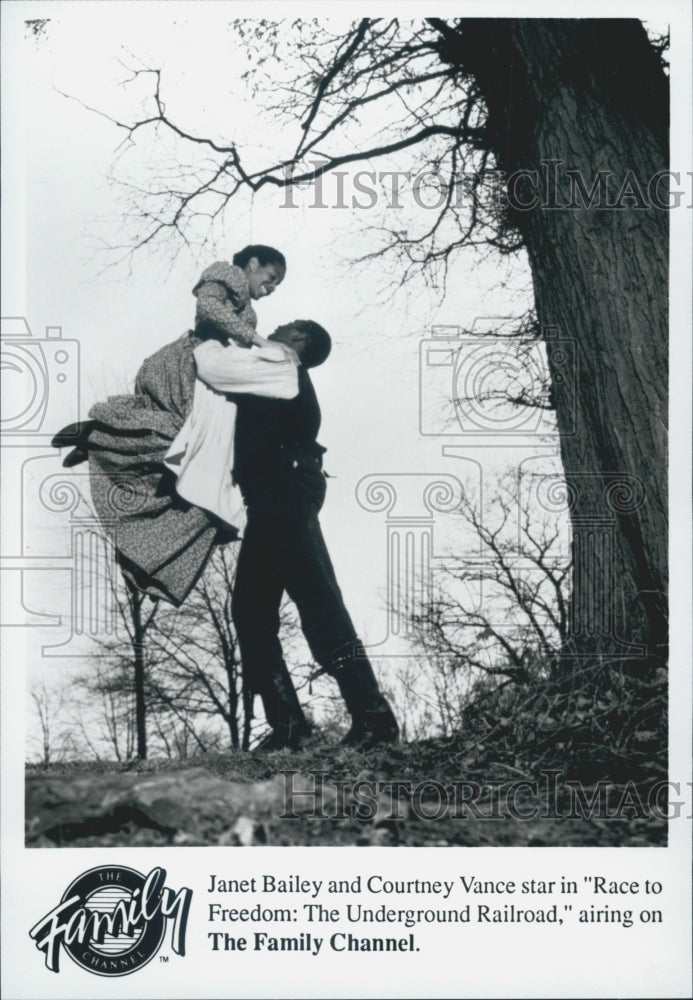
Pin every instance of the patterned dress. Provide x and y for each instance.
(223, 304)
(163, 542)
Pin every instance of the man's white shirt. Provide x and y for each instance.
(202, 453)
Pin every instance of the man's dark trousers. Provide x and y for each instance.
(283, 550)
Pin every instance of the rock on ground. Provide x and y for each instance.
(189, 806)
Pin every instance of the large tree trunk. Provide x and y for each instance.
(567, 99)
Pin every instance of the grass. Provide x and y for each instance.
(483, 787)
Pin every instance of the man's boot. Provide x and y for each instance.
(372, 718)
(283, 711)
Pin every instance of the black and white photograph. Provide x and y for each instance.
(346, 471)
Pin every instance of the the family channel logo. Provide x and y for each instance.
(112, 920)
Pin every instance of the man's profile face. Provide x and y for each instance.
(299, 340)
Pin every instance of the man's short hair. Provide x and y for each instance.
(320, 342)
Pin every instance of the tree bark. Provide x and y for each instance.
(138, 650)
(567, 99)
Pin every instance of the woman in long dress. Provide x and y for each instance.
(162, 541)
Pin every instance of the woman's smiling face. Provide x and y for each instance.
(263, 279)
